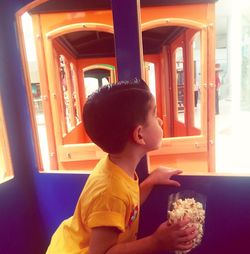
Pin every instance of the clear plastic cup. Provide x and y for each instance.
(189, 204)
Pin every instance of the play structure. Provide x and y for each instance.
(76, 46)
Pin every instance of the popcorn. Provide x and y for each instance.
(194, 211)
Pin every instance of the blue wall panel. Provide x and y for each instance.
(227, 227)
(32, 204)
(58, 195)
(20, 225)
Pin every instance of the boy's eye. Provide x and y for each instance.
(155, 111)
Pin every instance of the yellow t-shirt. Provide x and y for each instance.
(110, 198)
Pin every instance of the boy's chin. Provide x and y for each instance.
(156, 147)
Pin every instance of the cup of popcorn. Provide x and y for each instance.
(189, 204)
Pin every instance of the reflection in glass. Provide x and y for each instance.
(180, 81)
(197, 79)
(173, 73)
(96, 78)
(233, 60)
(91, 85)
(245, 81)
(36, 88)
(5, 159)
(75, 97)
(57, 52)
(150, 77)
(65, 93)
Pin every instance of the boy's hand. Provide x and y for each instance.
(175, 236)
(163, 176)
(160, 175)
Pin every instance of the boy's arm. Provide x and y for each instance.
(104, 239)
(166, 237)
(160, 176)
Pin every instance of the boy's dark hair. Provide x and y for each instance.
(112, 112)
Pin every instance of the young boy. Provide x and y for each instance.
(122, 120)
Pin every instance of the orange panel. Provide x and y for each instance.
(197, 12)
(54, 20)
(75, 136)
(193, 162)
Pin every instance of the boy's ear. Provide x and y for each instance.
(137, 135)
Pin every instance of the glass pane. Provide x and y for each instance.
(65, 92)
(38, 99)
(197, 80)
(91, 84)
(151, 80)
(57, 52)
(180, 82)
(245, 71)
(96, 76)
(105, 81)
(74, 92)
(2, 166)
(3, 162)
(232, 86)
(172, 65)
(5, 159)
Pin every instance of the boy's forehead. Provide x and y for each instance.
(152, 104)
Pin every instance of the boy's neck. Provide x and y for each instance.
(127, 161)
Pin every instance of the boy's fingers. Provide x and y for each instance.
(175, 172)
(174, 183)
(187, 236)
(185, 246)
(182, 223)
(178, 171)
(171, 170)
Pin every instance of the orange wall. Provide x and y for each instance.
(190, 162)
(75, 136)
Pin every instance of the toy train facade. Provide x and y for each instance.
(173, 47)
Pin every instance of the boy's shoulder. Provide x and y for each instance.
(110, 179)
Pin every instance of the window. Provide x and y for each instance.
(55, 51)
(91, 85)
(232, 120)
(180, 82)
